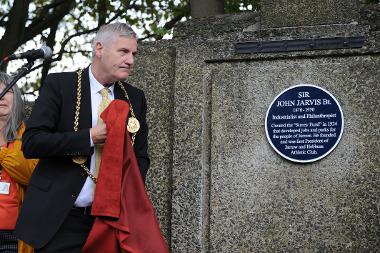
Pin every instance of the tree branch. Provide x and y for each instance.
(29, 93)
(170, 24)
(44, 21)
(50, 42)
(2, 22)
(43, 12)
(54, 4)
(77, 51)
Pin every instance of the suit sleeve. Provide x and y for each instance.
(41, 138)
(141, 141)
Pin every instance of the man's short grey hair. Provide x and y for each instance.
(108, 32)
(17, 113)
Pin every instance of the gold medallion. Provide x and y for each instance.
(133, 125)
(79, 159)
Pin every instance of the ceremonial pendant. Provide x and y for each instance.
(79, 159)
(133, 125)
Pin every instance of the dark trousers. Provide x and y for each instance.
(72, 235)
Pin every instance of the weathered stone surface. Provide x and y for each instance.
(370, 15)
(289, 13)
(154, 74)
(271, 204)
(214, 27)
(189, 199)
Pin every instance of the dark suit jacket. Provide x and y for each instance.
(49, 135)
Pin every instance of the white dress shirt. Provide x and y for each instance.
(86, 195)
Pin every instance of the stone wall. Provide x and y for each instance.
(215, 181)
(285, 13)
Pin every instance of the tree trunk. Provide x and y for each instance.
(14, 29)
(205, 8)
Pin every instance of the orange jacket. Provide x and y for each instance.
(20, 169)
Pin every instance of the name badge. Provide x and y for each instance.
(4, 188)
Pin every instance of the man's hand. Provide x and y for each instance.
(99, 133)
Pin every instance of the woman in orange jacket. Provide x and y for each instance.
(15, 169)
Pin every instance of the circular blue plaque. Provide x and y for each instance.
(304, 123)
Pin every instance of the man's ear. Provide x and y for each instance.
(98, 49)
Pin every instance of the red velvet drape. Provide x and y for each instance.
(125, 219)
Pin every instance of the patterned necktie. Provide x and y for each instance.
(99, 148)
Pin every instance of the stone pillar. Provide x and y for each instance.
(153, 73)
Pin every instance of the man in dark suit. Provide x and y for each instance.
(63, 131)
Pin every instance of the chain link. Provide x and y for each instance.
(76, 120)
(89, 174)
(79, 96)
(131, 109)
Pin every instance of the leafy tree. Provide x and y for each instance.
(68, 26)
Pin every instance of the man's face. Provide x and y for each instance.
(117, 58)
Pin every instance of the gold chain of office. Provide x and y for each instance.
(133, 124)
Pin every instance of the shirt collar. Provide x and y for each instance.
(96, 86)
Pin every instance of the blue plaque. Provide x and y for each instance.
(304, 123)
